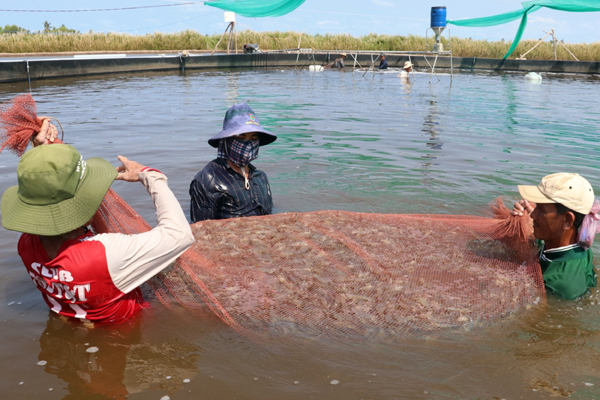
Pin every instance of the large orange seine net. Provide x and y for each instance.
(338, 273)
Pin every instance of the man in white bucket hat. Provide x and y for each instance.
(338, 62)
(405, 70)
(565, 215)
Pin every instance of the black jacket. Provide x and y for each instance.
(217, 192)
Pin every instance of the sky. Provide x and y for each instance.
(354, 17)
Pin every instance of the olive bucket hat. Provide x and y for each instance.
(240, 119)
(57, 191)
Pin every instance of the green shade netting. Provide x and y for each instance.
(529, 7)
(257, 8)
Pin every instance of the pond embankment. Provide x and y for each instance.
(23, 67)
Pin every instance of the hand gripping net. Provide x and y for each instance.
(19, 124)
(337, 273)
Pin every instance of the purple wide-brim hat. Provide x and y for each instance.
(240, 119)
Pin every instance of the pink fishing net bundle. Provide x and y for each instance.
(18, 123)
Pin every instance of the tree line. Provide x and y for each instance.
(48, 28)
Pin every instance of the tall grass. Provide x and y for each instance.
(191, 40)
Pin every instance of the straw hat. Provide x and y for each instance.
(343, 54)
(571, 190)
(57, 192)
(240, 119)
(407, 65)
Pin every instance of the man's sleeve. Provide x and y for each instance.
(203, 203)
(134, 259)
(269, 195)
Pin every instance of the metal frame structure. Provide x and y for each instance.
(375, 55)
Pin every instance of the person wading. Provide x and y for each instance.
(564, 223)
(230, 186)
(94, 278)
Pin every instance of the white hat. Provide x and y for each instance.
(571, 190)
(407, 65)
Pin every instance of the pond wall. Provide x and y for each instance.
(22, 69)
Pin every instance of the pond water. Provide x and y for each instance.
(346, 141)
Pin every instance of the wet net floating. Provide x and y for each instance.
(346, 274)
(339, 273)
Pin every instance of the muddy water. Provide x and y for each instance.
(345, 142)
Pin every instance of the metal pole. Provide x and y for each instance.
(222, 36)
(537, 44)
(553, 43)
(228, 37)
(298, 51)
(433, 69)
(372, 65)
(573, 55)
(28, 76)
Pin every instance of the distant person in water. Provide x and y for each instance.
(339, 62)
(230, 186)
(404, 73)
(565, 215)
(383, 64)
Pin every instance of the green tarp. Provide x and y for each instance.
(528, 8)
(257, 8)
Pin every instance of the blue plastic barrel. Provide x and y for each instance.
(438, 17)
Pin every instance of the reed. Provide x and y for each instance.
(191, 40)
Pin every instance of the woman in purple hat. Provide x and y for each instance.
(229, 186)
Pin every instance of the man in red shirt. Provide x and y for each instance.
(80, 274)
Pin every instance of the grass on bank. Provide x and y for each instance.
(190, 40)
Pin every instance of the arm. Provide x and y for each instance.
(270, 197)
(134, 259)
(204, 200)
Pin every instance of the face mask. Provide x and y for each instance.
(241, 152)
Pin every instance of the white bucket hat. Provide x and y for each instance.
(407, 65)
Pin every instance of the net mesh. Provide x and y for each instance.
(346, 273)
(339, 273)
(18, 123)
